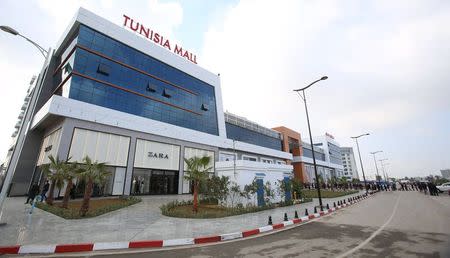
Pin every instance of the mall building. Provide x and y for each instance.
(327, 153)
(115, 96)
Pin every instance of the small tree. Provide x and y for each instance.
(197, 172)
(250, 190)
(297, 187)
(333, 181)
(91, 172)
(235, 194)
(217, 188)
(268, 192)
(320, 179)
(54, 172)
(283, 187)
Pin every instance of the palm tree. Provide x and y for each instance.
(91, 172)
(70, 172)
(54, 172)
(197, 171)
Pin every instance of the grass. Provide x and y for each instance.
(206, 211)
(96, 207)
(326, 193)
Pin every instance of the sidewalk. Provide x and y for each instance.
(142, 221)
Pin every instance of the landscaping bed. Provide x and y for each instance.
(326, 193)
(207, 211)
(96, 207)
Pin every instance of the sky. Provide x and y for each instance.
(387, 62)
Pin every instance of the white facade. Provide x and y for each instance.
(349, 163)
(445, 173)
(243, 172)
(332, 154)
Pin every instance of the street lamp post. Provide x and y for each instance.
(360, 160)
(26, 122)
(382, 166)
(310, 135)
(16, 33)
(376, 166)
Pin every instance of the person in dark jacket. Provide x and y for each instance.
(34, 190)
(45, 190)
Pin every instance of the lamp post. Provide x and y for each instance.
(310, 135)
(382, 166)
(26, 122)
(16, 33)
(360, 160)
(376, 166)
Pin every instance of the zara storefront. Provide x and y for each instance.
(118, 96)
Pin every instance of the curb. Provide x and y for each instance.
(87, 247)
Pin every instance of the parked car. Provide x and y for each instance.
(445, 187)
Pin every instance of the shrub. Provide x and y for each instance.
(73, 213)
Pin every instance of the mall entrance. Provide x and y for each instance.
(152, 181)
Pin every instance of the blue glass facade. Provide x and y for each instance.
(113, 75)
(245, 135)
(318, 155)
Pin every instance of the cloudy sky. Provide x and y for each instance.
(387, 61)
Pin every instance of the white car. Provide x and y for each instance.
(444, 187)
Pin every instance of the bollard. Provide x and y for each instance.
(285, 217)
(306, 212)
(344, 201)
(296, 215)
(321, 208)
(328, 206)
(270, 220)
(334, 204)
(315, 209)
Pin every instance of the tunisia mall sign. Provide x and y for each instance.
(157, 38)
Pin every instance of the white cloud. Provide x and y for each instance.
(44, 22)
(387, 63)
(162, 16)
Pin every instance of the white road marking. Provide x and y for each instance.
(374, 234)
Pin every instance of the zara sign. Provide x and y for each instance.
(157, 38)
(158, 155)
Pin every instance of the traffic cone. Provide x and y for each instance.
(270, 220)
(285, 217)
(296, 215)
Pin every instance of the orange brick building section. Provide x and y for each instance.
(292, 136)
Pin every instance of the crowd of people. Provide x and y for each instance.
(425, 187)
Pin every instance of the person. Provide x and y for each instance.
(45, 190)
(34, 190)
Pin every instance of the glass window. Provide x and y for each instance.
(246, 135)
(181, 101)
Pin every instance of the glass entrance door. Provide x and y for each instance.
(155, 182)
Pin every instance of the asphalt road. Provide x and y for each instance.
(391, 224)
